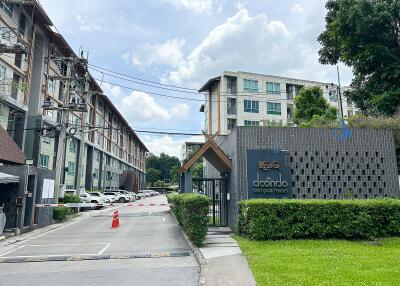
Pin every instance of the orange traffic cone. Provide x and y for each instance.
(115, 221)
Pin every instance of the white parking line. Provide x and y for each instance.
(104, 249)
(66, 244)
(48, 255)
(19, 247)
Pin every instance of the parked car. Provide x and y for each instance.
(130, 195)
(89, 198)
(101, 196)
(120, 198)
(140, 195)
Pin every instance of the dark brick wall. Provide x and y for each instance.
(322, 165)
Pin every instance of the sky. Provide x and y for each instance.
(185, 43)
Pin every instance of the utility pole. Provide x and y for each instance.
(340, 93)
(81, 154)
(60, 164)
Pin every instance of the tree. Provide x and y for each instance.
(159, 168)
(365, 35)
(311, 105)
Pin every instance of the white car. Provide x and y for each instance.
(120, 198)
(100, 196)
(89, 198)
(130, 195)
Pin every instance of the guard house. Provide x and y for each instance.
(294, 163)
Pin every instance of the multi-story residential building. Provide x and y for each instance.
(189, 148)
(34, 76)
(249, 99)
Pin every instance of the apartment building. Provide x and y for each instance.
(34, 76)
(249, 99)
(189, 148)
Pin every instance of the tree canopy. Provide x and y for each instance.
(365, 35)
(311, 107)
(159, 168)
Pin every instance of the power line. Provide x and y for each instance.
(149, 81)
(153, 93)
(147, 84)
(226, 95)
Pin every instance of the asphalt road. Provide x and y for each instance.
(144, 231)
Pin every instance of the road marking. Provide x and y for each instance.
(66, 244)
(104, 249)
(19, 247)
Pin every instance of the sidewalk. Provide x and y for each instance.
(225, 264)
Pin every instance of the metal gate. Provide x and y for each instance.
(216, 189)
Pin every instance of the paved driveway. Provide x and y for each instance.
(147, 231)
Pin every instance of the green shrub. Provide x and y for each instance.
(349, 219)
(71, 199)
(61, 213)
(191, 210)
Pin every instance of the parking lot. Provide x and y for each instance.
(147, 241)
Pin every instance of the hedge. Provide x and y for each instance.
(265, 219)
(191, 210)
(61, 213)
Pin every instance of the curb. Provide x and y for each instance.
(91, 257)
(196, 251)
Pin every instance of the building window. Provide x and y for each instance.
(73, 145)
(333, 96)
(44, 161)
(231, 123)
(15, 86)
(231, 106)
(274, 108)
(251, 106)
(96, 173)
(251, 123)
(71, 168)
(52, 86)
(22, 24)
(273, 87)
(8, 8)
(231, 85)
(5, 34)
(97, 156)
(250, 85)
(18, 60)
(2, 78)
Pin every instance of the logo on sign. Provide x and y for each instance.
(267, 174)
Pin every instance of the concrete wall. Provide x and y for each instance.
(26, 216)
(323, 166)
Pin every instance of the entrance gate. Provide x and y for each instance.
(216, 190)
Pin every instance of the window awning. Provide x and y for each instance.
(8, 179)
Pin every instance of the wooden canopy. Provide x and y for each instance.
(213, 154)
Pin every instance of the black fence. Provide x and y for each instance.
(216, 189)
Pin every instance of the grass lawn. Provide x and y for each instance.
(323, 262)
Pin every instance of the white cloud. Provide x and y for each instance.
(249, 43)
(168, 53)
(164, 144)
(89, 26)
(197, 6)
(241, 4)
(180, 111)
(297, 9)
(111, 90)
(141, 108)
